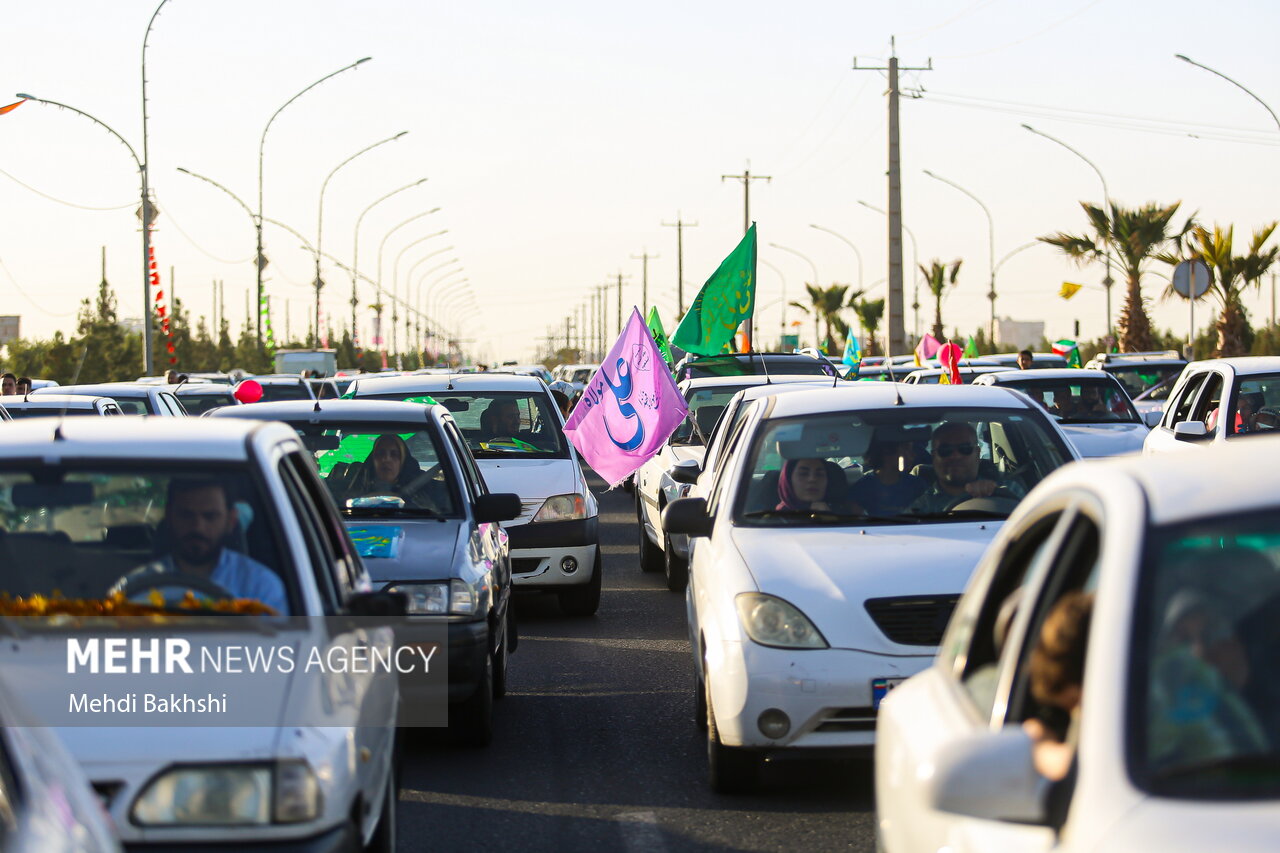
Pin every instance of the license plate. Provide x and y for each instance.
(880, 688)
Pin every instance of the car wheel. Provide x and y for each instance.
(584, 600)
(472, 720)
(384, 837)
(500, 656)
(731, 770)
(677, 567)
(650, 556)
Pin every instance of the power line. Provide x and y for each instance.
(60, 200)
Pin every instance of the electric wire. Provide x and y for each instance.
(1086, 7)
(60, 200)
(27, 296)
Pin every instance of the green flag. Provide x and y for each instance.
(654, 322)
(724, 302)
(971, 348)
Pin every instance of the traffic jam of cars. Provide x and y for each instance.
(1034, 610)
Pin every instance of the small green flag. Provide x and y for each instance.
(971, 348)
(1069, 350)
(726, 299)
(654, 322)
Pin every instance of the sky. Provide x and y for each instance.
(557, 139)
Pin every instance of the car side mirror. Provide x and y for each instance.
(1152, 418)
(500, 506)
(1190, 431)
(688, 516)
(685, 471)
(990, 776)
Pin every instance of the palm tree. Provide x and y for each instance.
(1133, 236)
(869, 312)
(1231, 275)
(825, 304)
(937, 276)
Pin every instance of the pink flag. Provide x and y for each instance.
(629, 408)
(926, 348)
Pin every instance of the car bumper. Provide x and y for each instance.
(468, 648)
(827, 695)
(340, 839)
(542, 553)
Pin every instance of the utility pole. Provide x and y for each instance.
(679, 225)
(619, 286)
(746, 177)
(896, 339)
(602, 291)
(644, 287)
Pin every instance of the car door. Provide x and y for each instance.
(487, 543)
(1181, 408)
(957, 696)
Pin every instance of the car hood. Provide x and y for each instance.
(534, 480)
(829, 573)
(1093, 440)
(399, 549)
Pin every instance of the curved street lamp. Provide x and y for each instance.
(991, 245)
(262, 142)
(782, 321)
(319, 282)
(395, 313)
(915, 260)
(848, 243)
(355, 248)
(1235, 83)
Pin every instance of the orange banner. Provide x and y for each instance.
(12, 107)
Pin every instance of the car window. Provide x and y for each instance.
(198, 404)
(705, 407)
(1085, 400)
(1140, 376)
(471, 475)
(273, 392)
(1256, 409)
(1203, 719)
(1207, 405)
(721, 482)
(377, 469)
(901, 465)
(83, 533)
(321, 556)
(133, 406)
(349, 567)
(499, 424)
(1180, 412)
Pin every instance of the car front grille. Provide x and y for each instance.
(524, 565)
(848, 720)
(913, 620)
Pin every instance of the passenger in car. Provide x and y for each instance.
(813, 485)
(391, 470)
(1056, 674)
(200, 518)
(886, 488)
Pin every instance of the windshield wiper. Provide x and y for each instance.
(829, 515)
(951, 515)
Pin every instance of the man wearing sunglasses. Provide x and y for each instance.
(954, 451)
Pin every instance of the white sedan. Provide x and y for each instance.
(838, 534)
(1107, 681)
(1218, 401)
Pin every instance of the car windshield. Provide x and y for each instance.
(198, 404)
(135, 543)
(133, 405)
(1204, 716)
(499, 424)
(705, 406)
(895, 466)
(1079, 401)
(380, 469)
(16, 413)
(273, 392)
(1138, 377)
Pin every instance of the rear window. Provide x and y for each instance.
(275, 393)
(498, 424)
(198, 404)
(50, 413)
(1137, 378)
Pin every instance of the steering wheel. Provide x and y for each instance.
(996, 502)
(138, 584)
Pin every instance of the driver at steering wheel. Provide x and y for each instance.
(954, 451)
(500, 420)
(200, 516)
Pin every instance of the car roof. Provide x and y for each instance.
(326, 411)
(1244, 365)
(757, 392)
(853, 396)
(749, 379)
(109, 389)
(276, 379)
(53, 401)
(971, 370)
(459, 382)
(151, 439)
(1048, 373)
(198, 388)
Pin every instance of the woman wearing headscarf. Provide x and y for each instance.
(391, 470)
(812, 485)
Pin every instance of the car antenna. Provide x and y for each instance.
(888, 359)
(62, 414)
(764, 368)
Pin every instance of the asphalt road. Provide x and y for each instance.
(595, 746)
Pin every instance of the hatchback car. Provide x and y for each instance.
(58, 405)
(1217, 401)
(834, 543)
(425, 524)
(217, 535)
(132, 398)
(1107, 681)
(516, 434)
(1091, 406)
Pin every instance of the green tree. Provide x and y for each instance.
(1231, 275)
(112, 352)
(1133, 236)
(870, 312)
(825, 304)
(937, 276)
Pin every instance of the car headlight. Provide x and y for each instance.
(770, 621)
(230, 795)
(455, 597)
(562, 508)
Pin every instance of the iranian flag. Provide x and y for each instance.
(1070, 350)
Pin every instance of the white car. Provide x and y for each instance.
(1138, 371)
(835, 548)
(129, 533)
(654, 487)
(1219, 401)
(516, 434)
(933, 375)
(1165, 711)
(133, 399)
(200, 398)
(1091, 406)
(18, 407)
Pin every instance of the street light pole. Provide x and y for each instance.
(1235, 83)
(848, 243)
(915, 276)
(148, 353)
(395, 312)
(991, 245)
(1108, 281)
(260, 260)
(355, 250)
(148, 308)
(319, 282)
